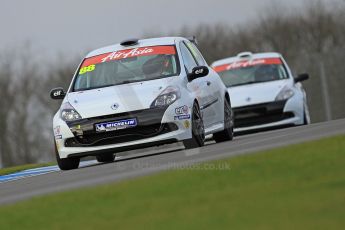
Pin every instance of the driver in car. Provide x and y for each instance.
(266, 73)
(158, 66)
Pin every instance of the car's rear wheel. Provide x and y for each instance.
(228, 133)
(66, 163)
(106, 158)
(198, 131)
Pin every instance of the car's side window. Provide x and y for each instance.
(187, 57)
(196, 53)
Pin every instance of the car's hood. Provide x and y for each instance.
(256, 93)
(119, 98)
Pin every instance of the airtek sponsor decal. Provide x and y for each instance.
(248, 63)
(122, 54)
(116, 125)
(182, 110)
(182, 117)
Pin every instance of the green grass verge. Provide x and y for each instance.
(296, 187)
(19, 168)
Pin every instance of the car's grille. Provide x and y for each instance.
(148, 125)
(120, 136)
(147, 116)
(260, 114)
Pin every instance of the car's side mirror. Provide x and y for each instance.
(301, 77)
(57, 93)
(199, 71)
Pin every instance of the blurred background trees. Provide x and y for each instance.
(311, 39)
(26, 109)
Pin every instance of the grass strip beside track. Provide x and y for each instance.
(6, 171)
(296, 187)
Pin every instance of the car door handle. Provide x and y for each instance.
(208, 83)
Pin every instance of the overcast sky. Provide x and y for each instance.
(76, 26)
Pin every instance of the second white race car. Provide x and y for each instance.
(140, 93)
(263, 91)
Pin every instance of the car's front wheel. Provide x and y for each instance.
(228, 133)
(198, 131)
(66, 163)
(106, 158)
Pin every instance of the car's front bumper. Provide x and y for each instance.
(268, 115)
(155, 127)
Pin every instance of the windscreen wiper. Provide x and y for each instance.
(127, 82)
(246, 83)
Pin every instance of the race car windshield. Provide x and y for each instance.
(127, 66)
(257, 71)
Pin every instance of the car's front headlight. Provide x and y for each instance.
(68, 113)
(167, 97)
(285, 94)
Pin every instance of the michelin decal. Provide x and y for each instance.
(116, 125)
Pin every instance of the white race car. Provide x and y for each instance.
(263, 91)
(140, 93)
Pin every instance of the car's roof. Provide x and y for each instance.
(141, 43)
(246, 56)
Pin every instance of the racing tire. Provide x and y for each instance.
(305, 119)
(66, 163)
(198, 130)
(228, 133)
(105, 158)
